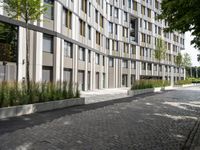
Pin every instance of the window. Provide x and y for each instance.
(67, 75)
(149, 26)
(67, 49)
(47, 43)
(149, 67)
(68, 19)
(155, 67)
(142, 10)
(101, 21)
(110, 10)
(116, 12)
(156, 4)
(125, 32)
(110, 27)
(89, 32)
(125, 48)
(143, 66)
(97, 59)
(103, 63)
(133, 49)
(125, 63)
(149, 12)
(98, 2)
(107, 43)
(89, 56)
(96, 16)
(98, 41)
(47, 74)
(135, 5)
(129, 3)
(111, 62)
(49, 12)
(84, 5)
(82, 27)
(116, 29)
(125, 16)
(143, 37)
(133, 64)
(89, 9)
(81, 53)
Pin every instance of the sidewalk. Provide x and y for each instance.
(104, 95)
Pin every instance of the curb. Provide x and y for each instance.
(20, 110)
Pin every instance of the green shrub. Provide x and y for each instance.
(182, 82)
(12, 94)
(145, 84)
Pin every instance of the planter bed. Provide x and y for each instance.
(184, 85)
(168, 88)
(6, 112)
(143, 91)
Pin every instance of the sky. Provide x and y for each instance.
(190, 49)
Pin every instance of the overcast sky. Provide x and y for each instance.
(190, 49)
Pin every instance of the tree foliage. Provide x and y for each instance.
(198, 58)
(160, 51)
(28, 10)
(179, 59)
(186, 60)
(183, 16)
(25, 10)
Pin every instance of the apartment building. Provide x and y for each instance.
(97, 43)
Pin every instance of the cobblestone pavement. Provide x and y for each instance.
(165, 121)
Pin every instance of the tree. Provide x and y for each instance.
(182, 16)
(198, 58)
(179, 60)
(186, 60)
(29, 11)
(160, 51)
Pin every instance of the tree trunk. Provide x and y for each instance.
(27, 58)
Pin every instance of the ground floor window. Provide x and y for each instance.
(47, 74)
(67, 75)
(132, 79)
(81, 79)
(125, 80)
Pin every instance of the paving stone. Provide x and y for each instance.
(159, 122)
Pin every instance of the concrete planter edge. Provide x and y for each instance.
(20, 110)
(143, 91)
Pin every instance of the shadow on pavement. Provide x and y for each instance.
(15, 123)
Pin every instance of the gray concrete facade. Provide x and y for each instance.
(102, 47)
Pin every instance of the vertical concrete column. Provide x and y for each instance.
(57, 41)
(118, 70)
(1, 7)
(86, 70)
(57, 59)
(75, 63)
(184, 73)
(138, 70)
(152, 69)
(146, 69)
(38, 57)
(106, 71)
(62, 60)
(129, 73)
(21, 72)
(93, 70)
(101, 73)
(172, 75)
(163, 72)
(58, 16)
(38, 60)
(91, 74)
